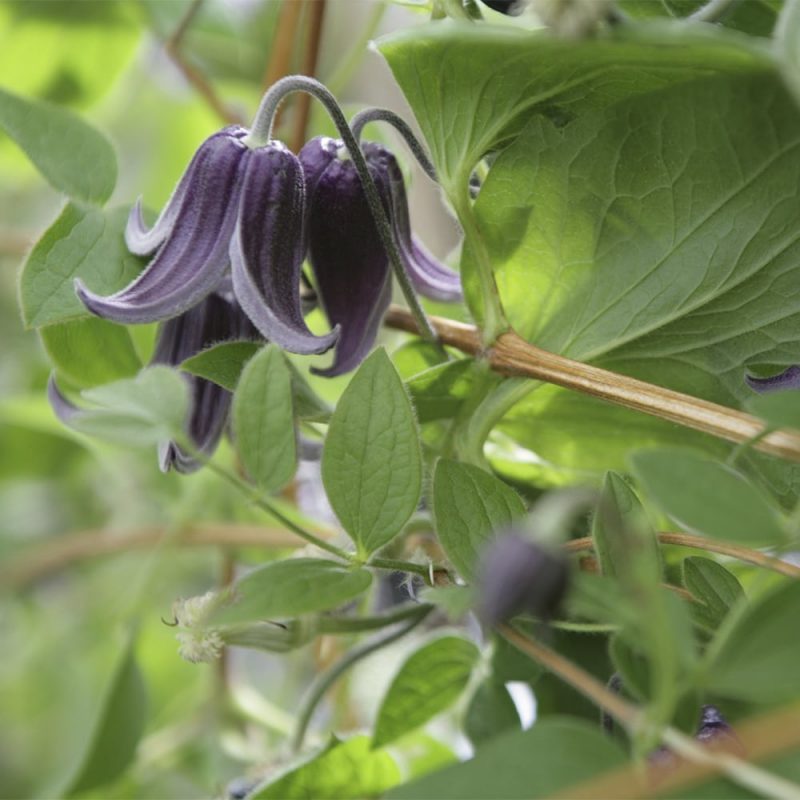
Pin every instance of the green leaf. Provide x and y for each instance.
(348, 770)
(82, 243)
(263, 422)
(472, 88)
(632, 667)
(716, 588)
(291, 588)
(554, 754)
(609, 226)
(136, 411)
(90, 352)
(415, 356)
(706, 497)
(428, 682)
(779, 410)
(223, 363)
(438, 392)
(624, 541)
(372, 463)
(491, 712)
(759, 659)
(469, 505)
(787, 45)
(116, 730)
(73, 157)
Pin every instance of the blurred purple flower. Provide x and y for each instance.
(518, 576)
(350, 264)
(235, 208)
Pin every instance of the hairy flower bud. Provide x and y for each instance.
(518, 576)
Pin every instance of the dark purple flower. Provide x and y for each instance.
(212, 321)
(788, 379)
(235, 208)
(350, 264)
(215, 319)
(518, 576)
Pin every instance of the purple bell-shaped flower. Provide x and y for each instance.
(237, 208)
(350, 264)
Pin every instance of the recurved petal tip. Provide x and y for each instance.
(64, 410)
(141, 240)
(192, 260)
(429, 276)
(788, 379)
(290, 334)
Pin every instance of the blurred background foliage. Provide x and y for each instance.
(63, 624)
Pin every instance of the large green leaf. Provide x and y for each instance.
(439, 391)
(372, 463)
(707, 497)
(292, 587)
(263, 420)
(90, 352)
(71, 155)
(222, 363)
(472, 87)
(428, 682)
(116, 730)
(628, 216)
(552, 755)
(759, 659)
(348, 770)
(470, 505)
(82, 243)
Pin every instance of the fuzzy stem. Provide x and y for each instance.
(260, 134)
(363, 118)
(513, 356)
(325, 680)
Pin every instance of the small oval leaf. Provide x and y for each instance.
(372, 463)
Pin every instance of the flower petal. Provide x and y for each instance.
(64, 409)
(193, 260)
(268, 248)
(428, 276)
(141, 240)
(788, 379)
(211, 321)
(350, 265)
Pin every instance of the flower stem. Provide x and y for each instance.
(255, 497)
(492, 317)
(325, 680)
(402, 566)
(363, 118)
(260, 134)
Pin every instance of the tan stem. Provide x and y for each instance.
(280, 59)
(55, 555)
(513, 356)
(712, 546)
(193, 75)
(761, 738)
(316, 15)
(625, 713)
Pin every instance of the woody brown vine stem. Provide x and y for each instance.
(512, 356)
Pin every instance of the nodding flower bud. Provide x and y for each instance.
(519, 576)
(201, 640)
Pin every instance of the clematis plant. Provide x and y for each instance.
(241, 208)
